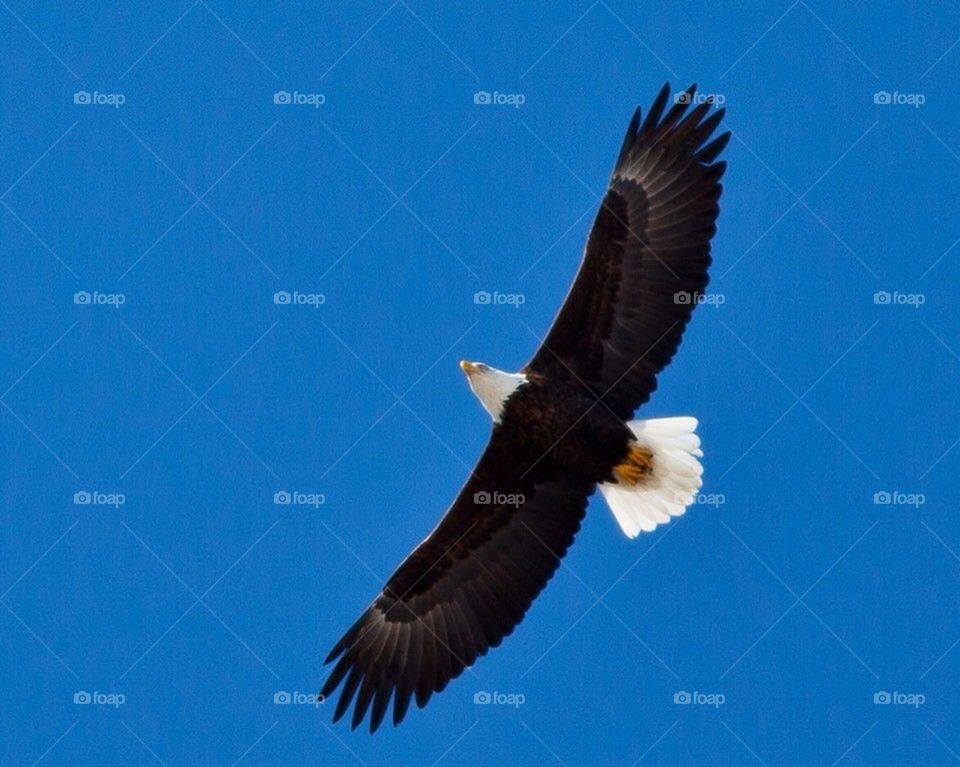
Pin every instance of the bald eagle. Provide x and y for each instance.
(562, 426)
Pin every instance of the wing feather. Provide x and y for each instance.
(622, 321)
(462, 590)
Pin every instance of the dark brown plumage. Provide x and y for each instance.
(470, 582)
(622, 321)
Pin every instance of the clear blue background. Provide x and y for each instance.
(797, 599)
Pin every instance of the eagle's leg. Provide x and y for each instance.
(637, 465)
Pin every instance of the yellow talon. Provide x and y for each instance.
(637, 465)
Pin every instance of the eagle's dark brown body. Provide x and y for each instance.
(564, 424)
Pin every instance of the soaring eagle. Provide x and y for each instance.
(561, 427)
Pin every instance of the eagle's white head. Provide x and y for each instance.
(493, 387)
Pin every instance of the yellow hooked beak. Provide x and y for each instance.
(468, 367)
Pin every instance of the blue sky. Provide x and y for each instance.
(147, 368)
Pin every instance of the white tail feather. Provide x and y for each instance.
(675, 480)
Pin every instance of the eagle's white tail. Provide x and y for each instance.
(667, 486)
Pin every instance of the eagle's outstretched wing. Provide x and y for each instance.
(646, 259)
(463, 589)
